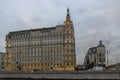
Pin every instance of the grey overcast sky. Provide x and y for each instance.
(93, 20)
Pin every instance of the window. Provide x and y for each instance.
(71, 63)
(2, 67)
(101, 57)
(67, 63)
(67, 41)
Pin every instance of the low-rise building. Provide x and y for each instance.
(114, 67)
(80, 67)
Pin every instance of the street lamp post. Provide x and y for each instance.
(107, 54)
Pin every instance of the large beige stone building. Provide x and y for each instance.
(42, 49)
(95, 56)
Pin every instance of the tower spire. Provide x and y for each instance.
(68, 20)
(68, 12)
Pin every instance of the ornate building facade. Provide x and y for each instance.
(95, 56)
(42, 49)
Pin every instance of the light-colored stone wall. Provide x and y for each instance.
(2, 61)
(41, 49)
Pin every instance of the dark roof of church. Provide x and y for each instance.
(94, 49)
(100, 44)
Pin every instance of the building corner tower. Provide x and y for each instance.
(69, 43)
